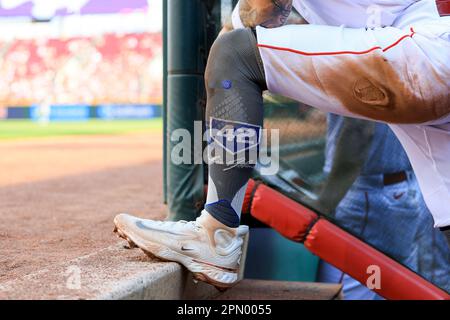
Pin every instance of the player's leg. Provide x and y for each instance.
(385, 74)
(211, 247)
(234, 83)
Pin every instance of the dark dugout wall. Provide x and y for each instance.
(190, 29)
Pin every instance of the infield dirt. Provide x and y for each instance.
(58, 196)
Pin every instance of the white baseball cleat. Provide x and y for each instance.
(206, 247)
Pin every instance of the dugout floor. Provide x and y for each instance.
(58, 196)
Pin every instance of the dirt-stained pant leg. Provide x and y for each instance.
(393, 75)
(386, 74)
(234, 116)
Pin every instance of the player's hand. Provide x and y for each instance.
(266, 13)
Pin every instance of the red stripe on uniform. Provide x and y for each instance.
(339, 52)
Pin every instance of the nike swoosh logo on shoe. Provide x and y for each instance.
(186, 249)
(142, 226)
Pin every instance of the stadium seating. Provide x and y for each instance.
(111, 68)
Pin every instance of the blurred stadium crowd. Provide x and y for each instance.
(106, 68)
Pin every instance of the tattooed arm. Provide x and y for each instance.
(266, 13)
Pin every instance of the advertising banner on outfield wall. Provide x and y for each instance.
(18, 113)
(60, 113)
(116, 112)
(82, 112)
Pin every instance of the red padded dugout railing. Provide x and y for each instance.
(444, 7)
(336, 246)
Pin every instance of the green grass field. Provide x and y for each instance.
(22, 129)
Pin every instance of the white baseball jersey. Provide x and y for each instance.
(386, 60)
(365, 13)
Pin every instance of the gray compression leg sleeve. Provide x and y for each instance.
(234, 116)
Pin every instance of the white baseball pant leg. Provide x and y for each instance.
(392, 75)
